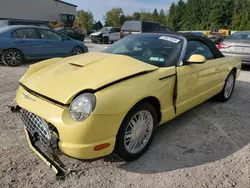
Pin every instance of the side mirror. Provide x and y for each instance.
(196, 59)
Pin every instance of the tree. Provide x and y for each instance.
(221, 13)
(179, 15)
(192, 15)
(145, 16)
(171, 16)
(136, 16)
(155, 16)
(162, 17)
(98, 25)
(113, 17)
(241, 17)
(85, 18)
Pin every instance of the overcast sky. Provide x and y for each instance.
(100, 7)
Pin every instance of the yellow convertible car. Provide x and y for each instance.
(94, 104)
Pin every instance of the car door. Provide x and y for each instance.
(112, 36)
(117, 34)
(29, 42)
(197, 82)
(53, 43)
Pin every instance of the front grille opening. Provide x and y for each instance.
(42, 132)
(53, 129)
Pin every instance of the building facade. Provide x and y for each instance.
(38, 10)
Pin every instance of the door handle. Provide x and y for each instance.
(22, 41)
(47, 42)
(217, 69)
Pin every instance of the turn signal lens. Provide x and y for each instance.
(102, 146)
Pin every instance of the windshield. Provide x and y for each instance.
(158, 50)
(238, 36)
(132, 26)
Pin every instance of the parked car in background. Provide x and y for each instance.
(237, 44)
(19, 43)
(135, 27)
(4, 23)
(71, 33)
(106, 35)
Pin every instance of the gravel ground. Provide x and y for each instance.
(209, 146)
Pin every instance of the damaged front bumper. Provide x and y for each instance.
(60, 171)
(49, 156)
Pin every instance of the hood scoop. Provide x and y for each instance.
(83, 61)
(77, 65)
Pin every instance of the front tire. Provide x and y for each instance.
(12, 58)
(77, 50)
(136, 132)
(105, 40)
(99, 40)
(228, 88)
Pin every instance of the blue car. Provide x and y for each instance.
(20, 43)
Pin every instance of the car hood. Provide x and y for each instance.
(96, 33)
(65, 78)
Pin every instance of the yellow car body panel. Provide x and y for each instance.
(62, 79)
(88, 71)
(199, 82)
(77, 139)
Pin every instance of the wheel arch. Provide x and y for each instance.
(234, 70)
(154, 102)
(15, 49)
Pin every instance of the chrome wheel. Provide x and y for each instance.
(77, 51)
(229, 85)
(13, 58)
(138, 131)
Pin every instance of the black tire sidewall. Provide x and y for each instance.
(120, 146)
(12, 50)
(105, 40)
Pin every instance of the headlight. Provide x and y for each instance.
(82, 106)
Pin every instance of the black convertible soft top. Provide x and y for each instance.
(190, 36)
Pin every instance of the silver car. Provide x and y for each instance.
(237, 44)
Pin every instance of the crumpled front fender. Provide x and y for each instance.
(39, 66)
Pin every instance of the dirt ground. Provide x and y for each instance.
(209, 146)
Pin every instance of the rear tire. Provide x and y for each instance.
(12, 58)
(77, 50)
(136, 134)
(228, 88)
